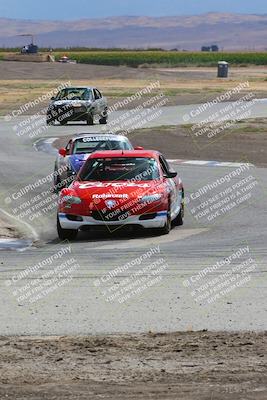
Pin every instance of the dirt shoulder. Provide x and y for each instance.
(25, 71)
(189, 365)
(7, 231)
(244, 142)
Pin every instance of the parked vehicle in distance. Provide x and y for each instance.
(77, 104)
(115, 188)
(66, 60)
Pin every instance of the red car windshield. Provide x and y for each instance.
(120, 169)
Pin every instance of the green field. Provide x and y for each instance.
(167, 58)
(135, 58)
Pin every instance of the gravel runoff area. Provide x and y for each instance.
(190, 365)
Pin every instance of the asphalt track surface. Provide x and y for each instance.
(80, 306)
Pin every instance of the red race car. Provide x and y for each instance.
(122, 187)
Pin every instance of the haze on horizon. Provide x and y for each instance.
(67, 10)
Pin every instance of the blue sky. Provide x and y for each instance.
(75, 9)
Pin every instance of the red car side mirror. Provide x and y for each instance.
(62, 152)
(138, 148)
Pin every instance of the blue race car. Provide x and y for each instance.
(71, 158)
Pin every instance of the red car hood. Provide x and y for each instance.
(112, 195)
(119, 190)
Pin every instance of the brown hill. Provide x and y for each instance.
(230, 31)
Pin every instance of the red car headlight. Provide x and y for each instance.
(150, 198)
(68, 200)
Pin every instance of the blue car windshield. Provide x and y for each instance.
(86, 145)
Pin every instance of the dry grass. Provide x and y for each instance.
(174, 83)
